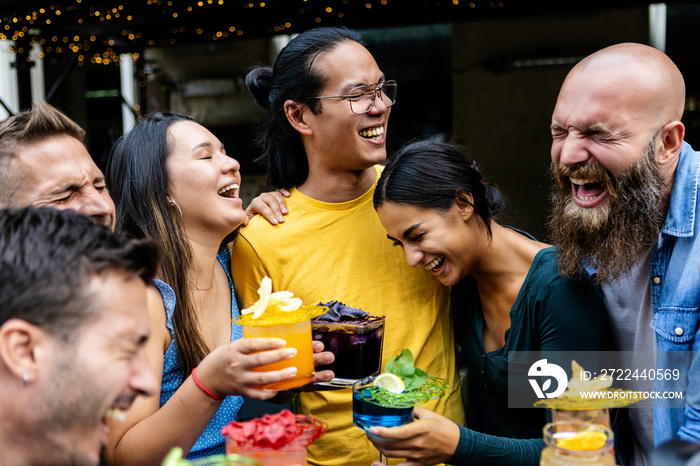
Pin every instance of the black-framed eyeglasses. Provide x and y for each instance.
(362, 98)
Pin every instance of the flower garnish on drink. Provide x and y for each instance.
(274, 439)
(281, 315)
(354, 337)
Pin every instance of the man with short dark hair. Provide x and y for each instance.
(44, 163)
(625, 206)
(73, 329)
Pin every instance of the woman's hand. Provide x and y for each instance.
(270, 205)
(430, 439)
(229, 369)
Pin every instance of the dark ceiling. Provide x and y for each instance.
(90, 26)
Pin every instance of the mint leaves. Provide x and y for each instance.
(402, 366)
(419, 386)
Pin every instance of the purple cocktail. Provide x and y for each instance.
(355, 340)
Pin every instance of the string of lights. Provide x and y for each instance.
(98, 31)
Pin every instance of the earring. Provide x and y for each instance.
(182, 219)
(24, 380)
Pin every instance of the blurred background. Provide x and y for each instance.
(483, 74)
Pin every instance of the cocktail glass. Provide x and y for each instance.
(373, 406)
(175, 458)
(356, 344)
(297, 335)
(226, 460)
(269, 457)
(555, 454)
(253, 441)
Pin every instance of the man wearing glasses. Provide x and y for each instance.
(329, 106)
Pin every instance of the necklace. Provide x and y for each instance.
(202, 289)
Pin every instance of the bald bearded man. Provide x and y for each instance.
(625, 206)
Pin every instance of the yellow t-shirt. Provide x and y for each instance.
(340, 251)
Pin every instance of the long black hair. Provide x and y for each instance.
(430, 174)
(138, 180)
(295, 78)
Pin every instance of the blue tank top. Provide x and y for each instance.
(211, 442)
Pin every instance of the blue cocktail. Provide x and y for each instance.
(367, 412)
(375, 406)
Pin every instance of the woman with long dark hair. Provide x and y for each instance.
(173, 182)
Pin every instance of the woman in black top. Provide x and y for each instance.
(507, 296)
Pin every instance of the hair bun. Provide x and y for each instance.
(496, 201)
(259, 84)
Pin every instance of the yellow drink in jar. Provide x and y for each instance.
(293, 327)
(577, 443)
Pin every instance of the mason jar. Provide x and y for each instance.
(558, 436)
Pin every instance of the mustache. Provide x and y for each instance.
(593, 172)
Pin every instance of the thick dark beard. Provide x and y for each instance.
(611, 238)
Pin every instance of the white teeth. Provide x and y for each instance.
(435, 263)
(117, 414)
(586, 198)
(372, 132)
(228, 188)
(580, 182)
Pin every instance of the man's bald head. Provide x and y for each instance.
(641, 69)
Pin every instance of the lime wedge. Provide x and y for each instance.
(390, 383)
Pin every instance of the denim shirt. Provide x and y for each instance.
(675, 296)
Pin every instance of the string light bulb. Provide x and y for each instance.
(131, 26)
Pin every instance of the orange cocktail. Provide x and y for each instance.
(281, 315)
(293, 327)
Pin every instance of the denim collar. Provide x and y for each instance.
(680, 219)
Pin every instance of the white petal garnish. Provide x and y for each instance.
(286, 302)
(260, 305)
(282, 300)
